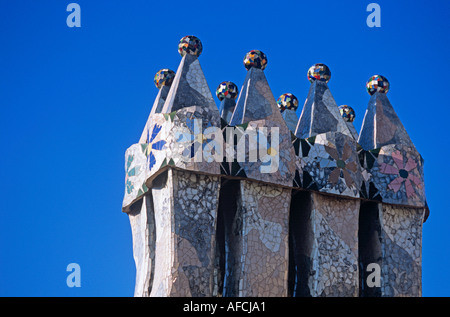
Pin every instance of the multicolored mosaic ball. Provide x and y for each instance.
(256, 59)
(190, 45)
(347, 113)
(377, 83)
(287, 101)
(319, 72)
(164, 78)
(228, 90)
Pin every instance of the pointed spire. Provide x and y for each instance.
(291, 119)
(256, 100)
(189, 87)
(381, 125)
(227, 93)
(348, 114)
(160, 100)
(320, 113)
(163, 80)
(394, 164)
(257, 111)
(288, 104)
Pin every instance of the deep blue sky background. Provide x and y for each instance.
(73, 100)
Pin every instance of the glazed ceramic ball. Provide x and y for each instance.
(319, 72)
(227, 90)
(287, 101)
(164, 78)
(256, 59)
(190, 45)
(377, 83)
(347, 113)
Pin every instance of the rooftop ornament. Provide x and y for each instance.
(190, 45)
(319, 72)
(227, 90)
(256, 59)
(287, 101)
(377, 83)
(347, 113)
(164, 77)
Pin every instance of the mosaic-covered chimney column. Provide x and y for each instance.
(257, 240)
(395, 178)
(183, 211)
(142, 224)
(325, 229)
(185, 216)
(141, 214)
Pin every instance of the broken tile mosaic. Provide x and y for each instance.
(218, 227)
(377, 83)
(227, 90)
(347, 113)
(287, 101)
(319, 72)
(256, 59)
(190, 45)
(164, 77)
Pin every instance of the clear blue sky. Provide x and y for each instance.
(73, 99)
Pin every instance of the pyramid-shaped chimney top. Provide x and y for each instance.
(189, 87)
(381, 125)
(163, 81)
(320, 113)
(288, 104)
(227, 92)
(256, 101)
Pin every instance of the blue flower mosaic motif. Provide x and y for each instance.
(151, 145)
